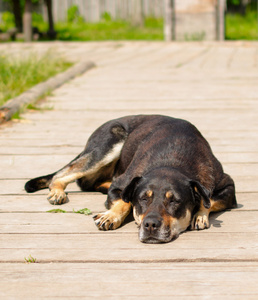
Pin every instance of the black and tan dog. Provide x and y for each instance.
(160, 166)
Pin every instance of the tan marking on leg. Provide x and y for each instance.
(217, 206)
(75, 170)
(114, 217)
(201, 218)
(57, 194)
(103, 187)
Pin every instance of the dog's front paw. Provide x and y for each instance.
(57, 197)
(200, 221)
(107, 221)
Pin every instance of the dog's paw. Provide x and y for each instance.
(107, 221)
(200, 221)
(57, 197)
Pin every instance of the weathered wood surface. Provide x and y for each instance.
(196, 280)
(212, 85)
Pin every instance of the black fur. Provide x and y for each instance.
(159, 154)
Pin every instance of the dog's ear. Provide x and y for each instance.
(199, 191)
(128, 192)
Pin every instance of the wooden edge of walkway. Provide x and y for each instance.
(32, 95)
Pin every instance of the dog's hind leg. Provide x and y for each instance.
(222, 198)
(96, 162)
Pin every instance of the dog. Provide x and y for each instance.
(160, 166)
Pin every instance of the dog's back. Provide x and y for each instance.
(164, 141)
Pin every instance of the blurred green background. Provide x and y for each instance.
(240, 20)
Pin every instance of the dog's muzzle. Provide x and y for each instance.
(153, 231)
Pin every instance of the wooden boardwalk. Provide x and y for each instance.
(213, 85)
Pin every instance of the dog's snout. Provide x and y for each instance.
(152, 223)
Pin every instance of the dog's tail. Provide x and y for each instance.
(38, 183)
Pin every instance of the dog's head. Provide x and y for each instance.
(163, 203)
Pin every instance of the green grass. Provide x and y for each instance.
(152, 29)
(16, 116)
(240, 27)
(18, 75)
(76, 29)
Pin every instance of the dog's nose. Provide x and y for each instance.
(151, 223)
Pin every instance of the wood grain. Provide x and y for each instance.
(212, 85)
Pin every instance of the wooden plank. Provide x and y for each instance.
(242, 157)
(219, 120)
(32, 203)
(37, 202)
(50, 132)
(241, 169)
(80, 141)
(16, 187)
(223, 154)
(124, 246)
(129, 281)
(247, 184)
(50, 148)
(13, 186)
(232, 221)
(34, 150)
(140, 103)
(14, 166)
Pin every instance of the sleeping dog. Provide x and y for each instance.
(160, 166)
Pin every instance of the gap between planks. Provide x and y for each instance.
(140, 261)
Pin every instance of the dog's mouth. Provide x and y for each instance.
(157, 238)
(151, 240)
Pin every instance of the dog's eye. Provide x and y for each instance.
(143, 201)
(175, 201)
(147, 196)
(172, 200)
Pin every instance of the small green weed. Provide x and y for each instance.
(56, 211)
(30, 259)
(84, 211)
